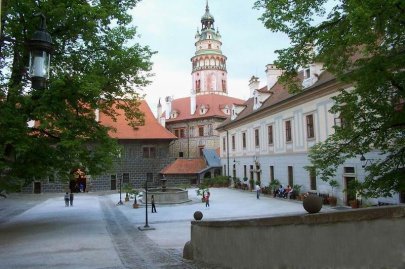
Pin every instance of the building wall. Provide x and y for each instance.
(178, 180)
(132, 163)
(281, 153)
(190, 145)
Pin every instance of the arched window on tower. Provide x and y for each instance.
(197, 86)
(224, 86)
(209, 46)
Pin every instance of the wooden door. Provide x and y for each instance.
(113, 184)
(37, 187)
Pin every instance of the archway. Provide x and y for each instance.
(78, 181)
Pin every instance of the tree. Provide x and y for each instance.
(361, 43)
(96, 61)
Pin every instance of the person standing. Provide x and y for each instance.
(257, 191)
(153, 204)
(67, 199)
(71, 198)
(207, 199)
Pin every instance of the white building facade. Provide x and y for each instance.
(269, 139)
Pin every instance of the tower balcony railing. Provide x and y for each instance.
(207, 67)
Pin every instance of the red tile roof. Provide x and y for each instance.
(214, 102)
(184, 166)
(152, 129)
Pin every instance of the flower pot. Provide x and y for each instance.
(135, 205)
(332, 200)
(354, 203)
(312, 204)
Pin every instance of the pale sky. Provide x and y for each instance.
(169, 27)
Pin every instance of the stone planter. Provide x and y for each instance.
(312, 204)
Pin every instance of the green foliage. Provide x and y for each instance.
(184, 186)
(218, 181)
(362, 43)
(297, 188)
(274, 184)
(202, 189)
(333, 184)
(96, 61)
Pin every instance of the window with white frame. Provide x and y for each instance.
(244, 140)
(310, 126)
(288, 133)
(270, 134)
(257, 138)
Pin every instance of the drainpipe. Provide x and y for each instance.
(188, 140)
(227, 151)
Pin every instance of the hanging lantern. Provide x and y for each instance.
(40, 47)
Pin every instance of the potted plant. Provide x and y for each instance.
(201, 191)
(134, 193)
(332, 198)
(251, 183)
(297, 191)
(274, 185)
(127, 189)
(352, 193)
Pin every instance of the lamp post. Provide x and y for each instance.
(146, 226)
(146, 205)
(120, 202)
(40, 46)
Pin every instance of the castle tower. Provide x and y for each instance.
(209, 73)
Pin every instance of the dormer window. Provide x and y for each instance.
(174, 114)
(203, 109)
(307, 73)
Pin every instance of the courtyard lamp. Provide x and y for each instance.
(40, 47)
(364, 161)
(146, 226)
(120, 202)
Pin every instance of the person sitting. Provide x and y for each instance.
(280, 191)
(287, 192)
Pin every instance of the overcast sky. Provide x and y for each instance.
(169, 26)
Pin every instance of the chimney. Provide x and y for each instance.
(168, 100)
(97, 115)
(193, 102)
(273, 73)
(253, 84)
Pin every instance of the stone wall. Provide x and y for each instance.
(364, 238)
(189, 145)
(177, 180)
(132, 162)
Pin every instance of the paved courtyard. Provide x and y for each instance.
(38, 231)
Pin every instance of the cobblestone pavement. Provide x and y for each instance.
(38, 231)
(134, 248)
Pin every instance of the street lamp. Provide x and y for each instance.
(40, 46)
(120, 202)
(364, 161)
(146, 227)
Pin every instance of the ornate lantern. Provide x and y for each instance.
(40, 46)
